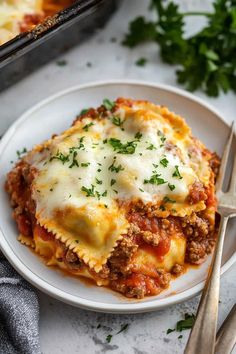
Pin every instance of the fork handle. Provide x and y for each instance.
(203, 335)
(226, 336)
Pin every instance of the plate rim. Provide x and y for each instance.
(61, 295)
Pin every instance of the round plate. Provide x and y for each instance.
(55, 114)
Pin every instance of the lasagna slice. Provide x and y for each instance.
(125, 197)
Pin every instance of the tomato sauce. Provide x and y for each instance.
(24, 225)
(152, 225)
(148, 285)
(43, 233)
(144, 223)
(159, 251)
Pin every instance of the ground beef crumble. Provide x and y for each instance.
(119, 262)
(178, 269)
(197, 193)
(200, 237)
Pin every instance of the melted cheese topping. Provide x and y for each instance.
(88, 175)
(12, 13)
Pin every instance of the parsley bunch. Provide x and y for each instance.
(206, 60)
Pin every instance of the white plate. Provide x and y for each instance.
(55, 114)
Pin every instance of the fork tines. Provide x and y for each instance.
(224, 163)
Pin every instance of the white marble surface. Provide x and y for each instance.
(64, 329)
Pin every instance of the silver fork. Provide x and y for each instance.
(203, 335)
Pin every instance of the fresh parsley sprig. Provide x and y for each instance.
(206, 60)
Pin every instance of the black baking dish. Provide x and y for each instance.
(54, 35)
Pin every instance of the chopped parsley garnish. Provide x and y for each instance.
(85, 164)
(141, 190)
(123, 328)
(155, 165)
(62, 62)
(74, 161)
(155, 179)
(151, 147)
(176, 173)
(90, 192)
(115, 191)
(127, 148)
(98, 181)
(181, 325)
(20, 153)
(108, 104)
(168, 200)
(162, 208)
(61, 157)
(108, 338)
(77, 241)
(116, 121)
(187, 323)
(180, 336)
(87, 126)
(99, 170)
(162, 137)
(141, 62)
(72, 154)
(83, 111)
(80, 147)
(170, 330)
(114, 168)
(171, 186)
(138, 135)
(99, 325)
(164, 162)
(113, 181)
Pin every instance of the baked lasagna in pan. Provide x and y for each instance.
(125, 196)
(17, 16)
